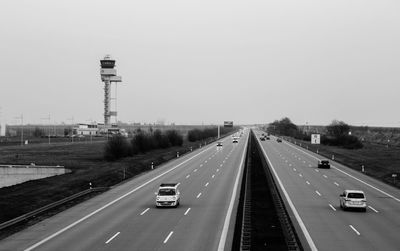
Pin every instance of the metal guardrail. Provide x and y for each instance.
(48, 207)
(289, 232)
(245, 242)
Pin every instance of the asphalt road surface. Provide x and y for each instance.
(314, 195)
(125, 218)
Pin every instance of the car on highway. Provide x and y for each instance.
(279, 140)
(219, 144)
(235, 140)
(324, 164)
(267, 138)
(262, 138)
(353, 199)
(168, 195)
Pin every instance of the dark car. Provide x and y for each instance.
(262, 138)
(324, 164)
(267, 138)
(219, 144)
(279, 140)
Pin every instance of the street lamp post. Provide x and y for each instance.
(22, 128)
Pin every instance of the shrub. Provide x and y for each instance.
(174, 138)
(116, 148)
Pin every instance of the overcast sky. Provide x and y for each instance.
(206, 61)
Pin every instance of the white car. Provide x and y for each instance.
(353, 199)
(168, 195)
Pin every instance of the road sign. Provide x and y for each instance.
(315, 139)
(228, 123)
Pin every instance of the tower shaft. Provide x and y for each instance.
(107, 103)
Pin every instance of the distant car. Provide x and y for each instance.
(262, 138)
(279, 140)
(324, 164)
(235, 140)
(267, 138)
(353, 199)
(219, 144)
(168, 195)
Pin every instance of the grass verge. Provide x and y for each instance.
(379, 161)
(87, 164)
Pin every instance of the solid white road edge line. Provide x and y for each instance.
(296, 214)
(111, 203)
(222, 240)
(169, 236)
(115, 235)
(365, 183)
(145, 211)
(354, 229)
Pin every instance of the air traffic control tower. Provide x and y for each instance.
(108, 76)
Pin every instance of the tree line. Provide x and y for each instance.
(338, 133)
(119, 147)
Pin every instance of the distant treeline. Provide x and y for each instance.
(197, 134)
(338, 133)
(118, 146)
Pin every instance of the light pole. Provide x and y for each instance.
(22, 128)
(72, 129)
(48, 118)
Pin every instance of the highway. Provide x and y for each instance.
(314, 195)
(125, 218)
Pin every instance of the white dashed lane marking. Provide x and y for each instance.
(336, 183)
(317, 193)
(187, 176)
(115, 235)
(308, 183)
(145, 211)
(169, 236)
(354, 229)
(325, 176)
(198, 196)
(206, 184)
(187, 211)
(373, 209)
(333, 208)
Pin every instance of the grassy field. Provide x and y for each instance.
(87, 164)
(379, 161)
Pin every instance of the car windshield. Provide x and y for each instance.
(166, 191)
(355, 196)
